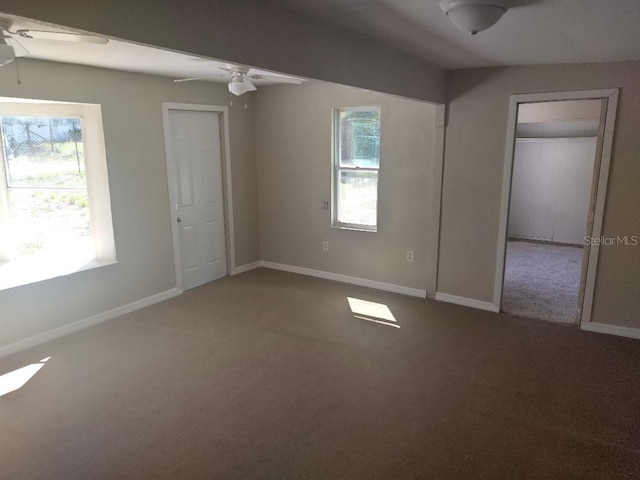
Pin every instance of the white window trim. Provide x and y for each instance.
(336, 169)
(21, 271)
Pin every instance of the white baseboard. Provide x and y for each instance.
(611, 329)
(467, 302)
(363, 282)
(87, 322)
(245, 268)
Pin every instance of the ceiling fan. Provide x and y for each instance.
(241, 81)
(11, 46)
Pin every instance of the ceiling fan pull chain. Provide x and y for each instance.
(17, 72)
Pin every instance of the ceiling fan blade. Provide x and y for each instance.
(19, 49)
(249, 85)
(275, 78)
(193, 79)
(63, 36)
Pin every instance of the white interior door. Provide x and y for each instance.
(196, 158)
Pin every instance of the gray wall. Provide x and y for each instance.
(131, 108)
(293, 155)
(254, 32)
(243, 174)
(474, 159)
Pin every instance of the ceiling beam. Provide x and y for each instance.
(252, 32)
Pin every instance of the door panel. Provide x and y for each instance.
(185, 181)
(196, 153)
(189, 243)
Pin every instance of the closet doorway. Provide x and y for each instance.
(555, 180)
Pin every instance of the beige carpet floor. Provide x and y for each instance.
(268, 375)
(542, 281)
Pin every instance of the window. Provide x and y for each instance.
(356, 166)
(55, 214)
(46, 187)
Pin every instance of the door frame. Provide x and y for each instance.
(227, 197)
(598, 194)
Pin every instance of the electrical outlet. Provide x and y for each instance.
(325, 245)
(325, 205)
(409, 255)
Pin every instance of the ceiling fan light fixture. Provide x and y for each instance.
(474, 16)
(248, 85)
(237, 85)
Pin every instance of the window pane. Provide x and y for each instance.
(43, 152)
(359, 132)
(48, 219)
(358, 198)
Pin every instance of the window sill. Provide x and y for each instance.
(355, 228)
(37, 268)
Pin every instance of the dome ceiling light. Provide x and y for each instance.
(474, 16)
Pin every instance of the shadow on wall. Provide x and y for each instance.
(473, 79)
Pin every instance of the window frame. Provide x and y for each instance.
(96, 177)
(337, 169)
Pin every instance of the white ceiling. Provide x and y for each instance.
(119, 55)
(533, 32)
